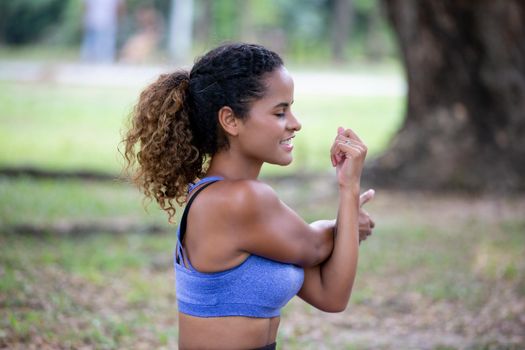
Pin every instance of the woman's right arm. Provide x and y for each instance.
(267, 227)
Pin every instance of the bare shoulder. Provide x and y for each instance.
(251, 196)
(246, 196)
(237, 199)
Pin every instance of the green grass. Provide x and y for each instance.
(40, 53)
(108, 291)
(25, 200)
(59, 127)
(116, 291)
(101, 291)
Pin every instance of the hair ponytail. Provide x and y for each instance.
(159, 150)
(174, 128)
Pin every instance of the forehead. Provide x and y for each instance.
(279, 85)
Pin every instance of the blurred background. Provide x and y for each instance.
(436, 89)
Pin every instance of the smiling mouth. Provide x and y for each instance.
(287, 141)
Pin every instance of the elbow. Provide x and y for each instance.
(316, 248)
(315, 257)
(311, 255)
(309, 261)
(335, 307)
(335, 303)
(320, 251)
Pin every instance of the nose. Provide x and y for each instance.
(293, 123)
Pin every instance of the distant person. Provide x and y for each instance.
(242, 254)
(143, 43)
(100, 29)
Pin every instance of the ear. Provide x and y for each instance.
(228, 121)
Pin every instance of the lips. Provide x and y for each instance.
(287, 141)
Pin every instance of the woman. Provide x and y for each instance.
(241, 253)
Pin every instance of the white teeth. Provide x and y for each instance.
(288, 141)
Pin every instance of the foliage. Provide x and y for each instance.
(24, 21)
(302, 32)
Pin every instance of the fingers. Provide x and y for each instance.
(366, 225)
(341, 149)
(363, 235)
(344, 141)
(366, 197)
(365, 219)
(349, 133)
(348, 149)
(346, 137)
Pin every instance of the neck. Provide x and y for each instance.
(233, 167)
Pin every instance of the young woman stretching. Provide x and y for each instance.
(201, 138)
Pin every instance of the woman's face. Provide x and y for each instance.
(266, 134)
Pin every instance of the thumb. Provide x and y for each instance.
(340, 130)
(366, 197)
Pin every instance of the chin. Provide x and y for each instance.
(284, 162)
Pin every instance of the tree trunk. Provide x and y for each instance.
(181, 30)
(203, 25)
(342, 14)
(246, 28)
(465, 117)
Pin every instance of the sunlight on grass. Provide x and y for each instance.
(25, 200)
(62, 127)
(59, 127)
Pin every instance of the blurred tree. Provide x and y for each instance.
(181, 29)
(225, 21)
(25, 21)
(465, 118)
(375, 44)
(342, 15)
(306, 27)
(246, 20)
(203, 22)
(305, 33)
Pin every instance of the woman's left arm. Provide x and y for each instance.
(313, 291)
(328, 286)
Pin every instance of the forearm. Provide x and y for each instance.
(337, 274)
(328, 285)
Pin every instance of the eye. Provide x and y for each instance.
(280, 115)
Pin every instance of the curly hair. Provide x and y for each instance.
(174, 127)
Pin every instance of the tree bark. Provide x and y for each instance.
(465, 116)
(203, 25)
(342, 14)
(181, 30)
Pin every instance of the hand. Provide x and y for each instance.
(348, 154)
(366, 224)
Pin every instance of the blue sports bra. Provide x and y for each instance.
(258, 287)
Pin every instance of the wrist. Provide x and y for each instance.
(353, 189)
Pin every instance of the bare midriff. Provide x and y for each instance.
(232, 332)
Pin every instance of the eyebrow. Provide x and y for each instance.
(283, 104)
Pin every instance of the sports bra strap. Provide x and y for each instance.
(182, 227)
(204, 180)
